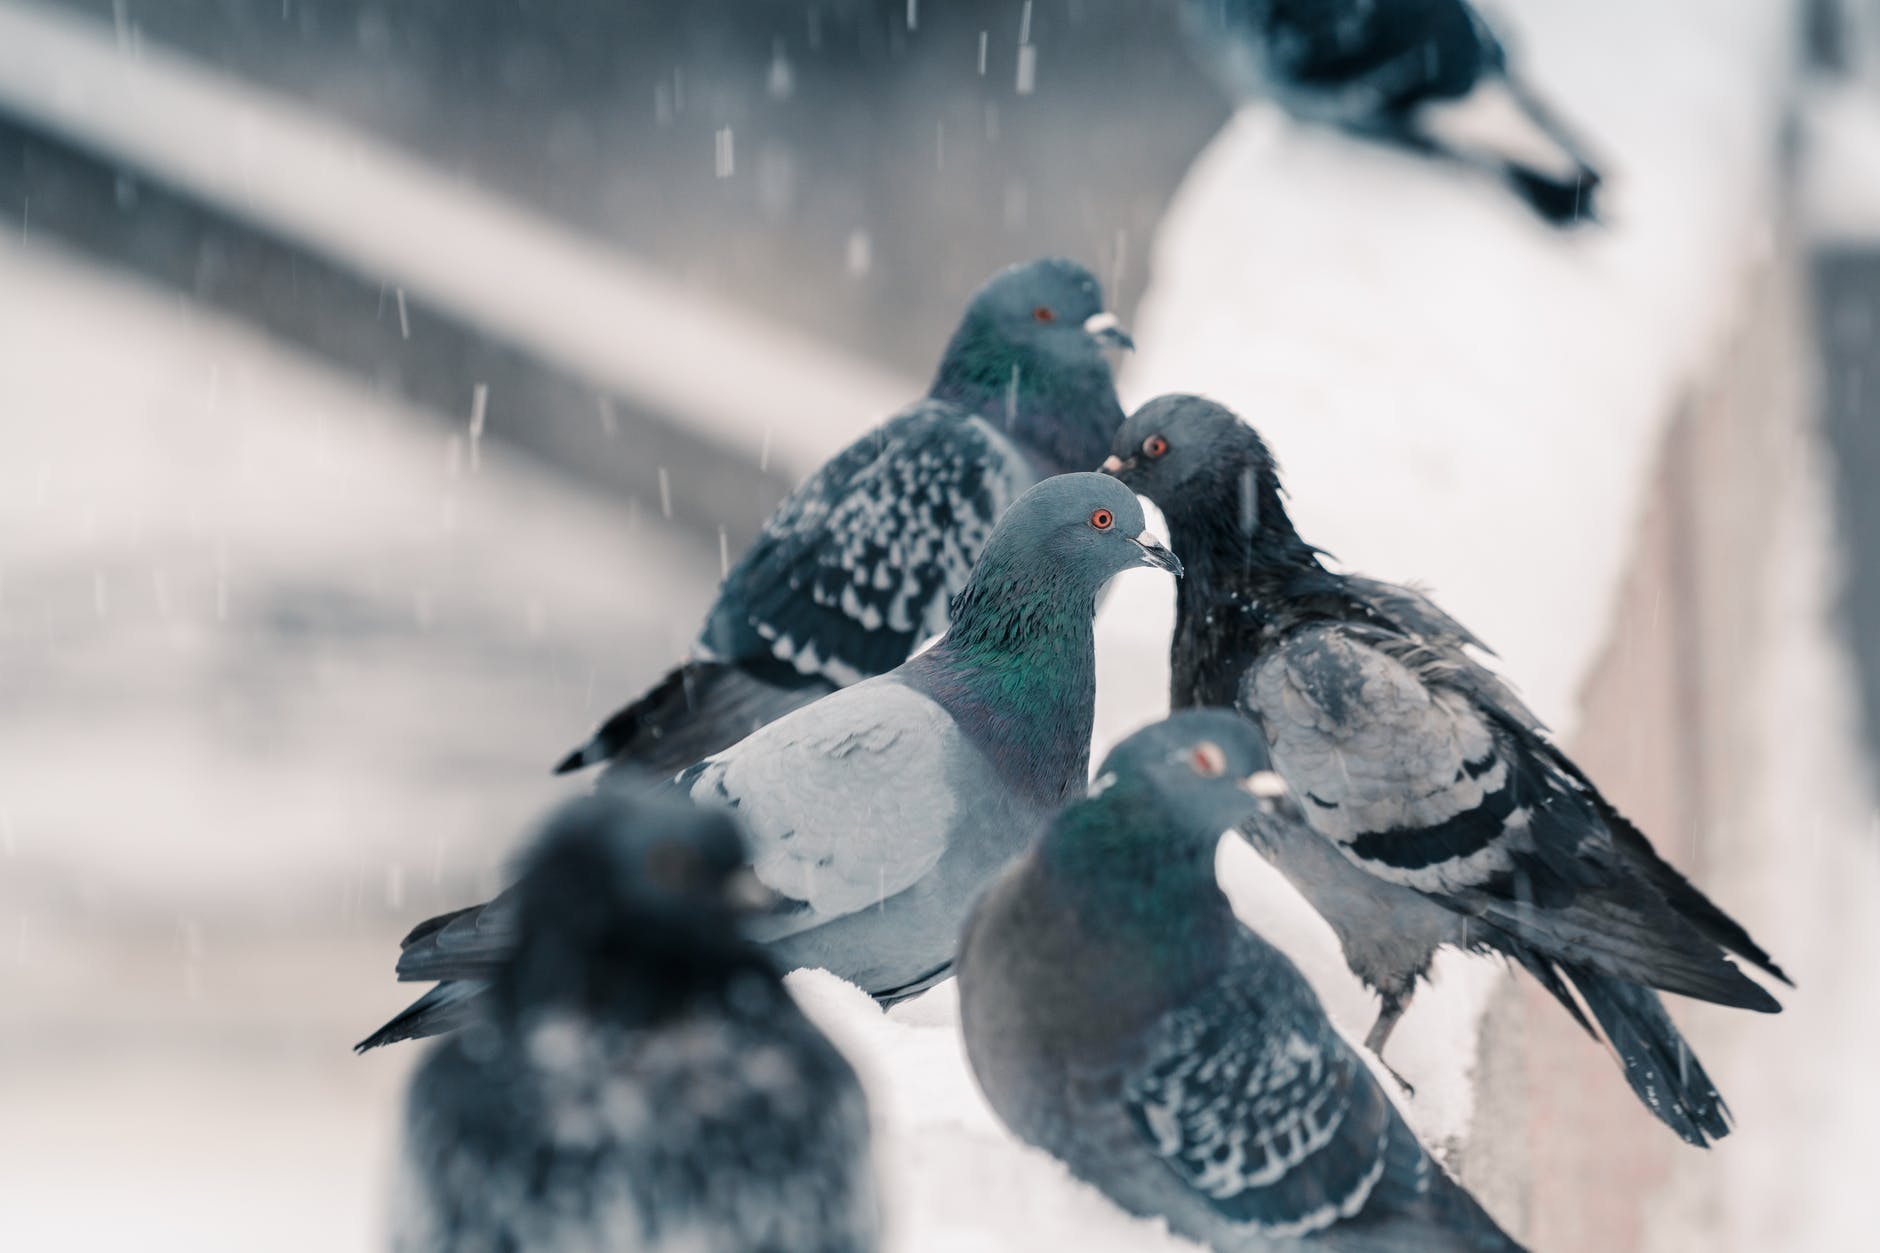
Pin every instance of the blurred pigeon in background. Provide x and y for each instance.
(1426, 75)
(878, 812)
(855, 568)
(637, 1076)
(1119, 1016)
(1439, 811)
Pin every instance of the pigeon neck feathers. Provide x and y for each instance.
(1063, 412)
(1249, 577)
(1017, 672)
(1147, 894)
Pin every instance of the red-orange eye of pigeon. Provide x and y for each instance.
(1155, 445)
(1102, 519)
(1210, 761)
(1044, 314)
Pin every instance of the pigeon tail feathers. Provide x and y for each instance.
(444, 1008)
(1658, 1064)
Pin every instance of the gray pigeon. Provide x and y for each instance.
(1117, 1015)
(1437, 810)
(1389, 70)
(879, 811)
(855, 568)
(637, 1077)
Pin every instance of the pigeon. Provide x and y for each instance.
(855, 568)
(637, 1078)
(1417, 74)
(1118, 1015)
(879, 811)
(1437, 811)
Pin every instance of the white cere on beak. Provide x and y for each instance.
(1098, 323)
(1267, 785)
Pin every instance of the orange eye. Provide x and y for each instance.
(1210, 761)
(1102, 519)
(1043, 313)
(1155, 446)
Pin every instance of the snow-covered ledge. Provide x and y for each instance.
(1461, 398)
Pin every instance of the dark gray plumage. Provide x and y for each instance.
(1117, 1015)
(880, 811)
(1390, 70)
(1437, 811)
(855, 568)
(637, 1077)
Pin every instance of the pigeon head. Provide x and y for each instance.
(1017, 667)
(1206, 770)
(1208, 472)
(1053, 550)
(1028, 356)
(1137, 852)
(629, 897)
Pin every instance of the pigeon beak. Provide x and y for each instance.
(1107, 328)
(1264, 784)
(748, 894)
(1115, 465)
(1154, 554)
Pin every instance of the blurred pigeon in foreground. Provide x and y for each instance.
(1117, 1015)
(1425, 75)
(856, 566)
(879, 811)
(637, 1077)
(1440, 812)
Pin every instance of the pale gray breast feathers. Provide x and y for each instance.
(846, 801)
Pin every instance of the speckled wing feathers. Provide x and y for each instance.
(726, 1134)
(1262, 1109)
(856, 568)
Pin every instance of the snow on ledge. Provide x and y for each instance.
(1459, 397)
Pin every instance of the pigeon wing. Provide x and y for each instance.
(857, 566)
(1396, 760)
(846, 802)
(1413, 614)
(1247, 1095)
(467, 943)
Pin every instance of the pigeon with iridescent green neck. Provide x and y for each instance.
(855, 568)
(877, 813)
(1117, 1015)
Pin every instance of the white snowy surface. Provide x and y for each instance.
(1458, 396)
(349, 196)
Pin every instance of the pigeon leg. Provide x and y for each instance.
(1388, 1013)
